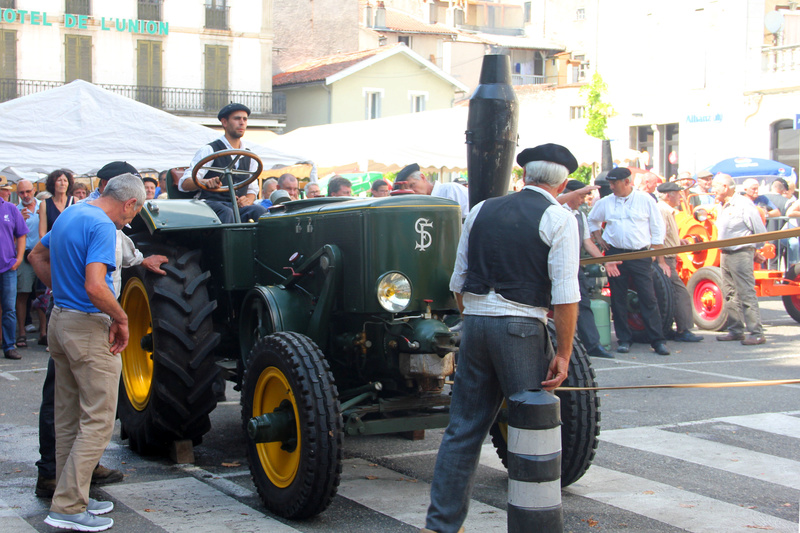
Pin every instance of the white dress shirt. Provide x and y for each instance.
(206, 151)
(453, 191)
(559, 230)
(632, 222)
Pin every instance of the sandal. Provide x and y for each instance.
(22, 342)
(42, 341)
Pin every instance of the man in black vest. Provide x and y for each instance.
(517, 256)
(234, 121)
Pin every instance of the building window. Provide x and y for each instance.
(576, 112)
(372, 103)
(527, 11)
(150, 9)
(78, 7)
(419, 100)
(8, 4)
(148, 73)
(580, 14)
(784, 144)
(405, 39)
(216, 78)
(217, 15)
(8, 65)
(78, 52)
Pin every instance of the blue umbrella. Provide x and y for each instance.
(745, 167)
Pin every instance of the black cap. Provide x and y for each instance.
(669, 186)
(116, 168)
(150, 179)
(554, 153)
(782, 182)
(406, 172)
(619, 173)
(230, 108)
(574, 185)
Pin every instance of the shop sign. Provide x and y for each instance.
(81, 22)
(699, 119)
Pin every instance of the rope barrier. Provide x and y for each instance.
(717, 385)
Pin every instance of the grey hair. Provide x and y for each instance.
(414, 176)
(724, 179)
(269, 181)
(126, 187)
(545, 173)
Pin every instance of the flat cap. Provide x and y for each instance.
(279, 196)
(704, 174)
(554, 153)
(574, 185)
(406, 171)
(230, 108)
(619, 173)
(117, 168)
(150, 179)
(669, 186)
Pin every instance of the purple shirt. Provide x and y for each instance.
(12, 225)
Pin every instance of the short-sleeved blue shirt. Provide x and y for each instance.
(81, 235)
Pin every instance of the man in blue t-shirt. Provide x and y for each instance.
(88, 329)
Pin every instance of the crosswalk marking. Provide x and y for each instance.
(390, 493)
(703, 452)
(676, 507)
(777, 423)
(188, 505)
(11, 522)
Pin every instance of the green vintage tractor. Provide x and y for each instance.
(332, 316)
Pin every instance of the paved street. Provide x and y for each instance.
(701, 460)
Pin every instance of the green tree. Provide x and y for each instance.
(597, 111)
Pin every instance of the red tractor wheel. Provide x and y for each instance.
(708, 302)
(792, 301)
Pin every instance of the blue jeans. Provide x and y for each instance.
(792, 247)
(499, 356)
(8, 303)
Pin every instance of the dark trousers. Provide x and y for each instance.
(47, 426)
(637, 271)
(683, 301)
(587, 327)
(224, 211)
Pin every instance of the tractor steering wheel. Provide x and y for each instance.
(686, 183)
(235, 155)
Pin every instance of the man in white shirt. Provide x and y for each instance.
(504, 291)
(632, 223)
(234, 121)
(418, 183)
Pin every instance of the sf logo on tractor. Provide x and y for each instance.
(424, 236)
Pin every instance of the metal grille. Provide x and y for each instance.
(172, 99)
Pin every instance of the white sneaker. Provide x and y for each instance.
(30, 328)
(84, 521)
(97, 507)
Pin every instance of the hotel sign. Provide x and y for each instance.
(82, 22)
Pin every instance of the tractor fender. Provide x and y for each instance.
(269, 309)
(166, 215)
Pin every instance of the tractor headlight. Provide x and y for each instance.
(394, 292)
(700, 215)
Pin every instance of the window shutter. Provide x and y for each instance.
(85, 57)
(142, 63)
(71, 53)
(155, 64)
(8, 55)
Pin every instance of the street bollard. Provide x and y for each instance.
(534, 463)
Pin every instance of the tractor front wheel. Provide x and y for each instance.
(297, 469)
(792, 301)
(709, 308)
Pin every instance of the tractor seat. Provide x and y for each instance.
(172, 185)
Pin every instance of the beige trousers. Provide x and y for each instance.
(87, 384)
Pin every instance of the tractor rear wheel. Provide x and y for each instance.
(167, 368)
(580, 418)
(666, 306)
(792, 301)
(709, 308)
(298, 475)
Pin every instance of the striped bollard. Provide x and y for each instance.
(534, 463)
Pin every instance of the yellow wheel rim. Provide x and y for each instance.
(137, 363)
(280, 465)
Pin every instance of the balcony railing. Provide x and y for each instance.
(174, 100)
(217, 17)
(781, 58)
(522, 79)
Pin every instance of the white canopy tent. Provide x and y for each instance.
(82, 127)
(433, 139)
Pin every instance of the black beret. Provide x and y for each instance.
(116, 168)
(619, 173)
(230, 108)
(782, 182)
(574, 185)
(554, 153)
(669, 186)
(406, 172)
(150, 179)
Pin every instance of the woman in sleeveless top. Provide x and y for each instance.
(59, 184)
